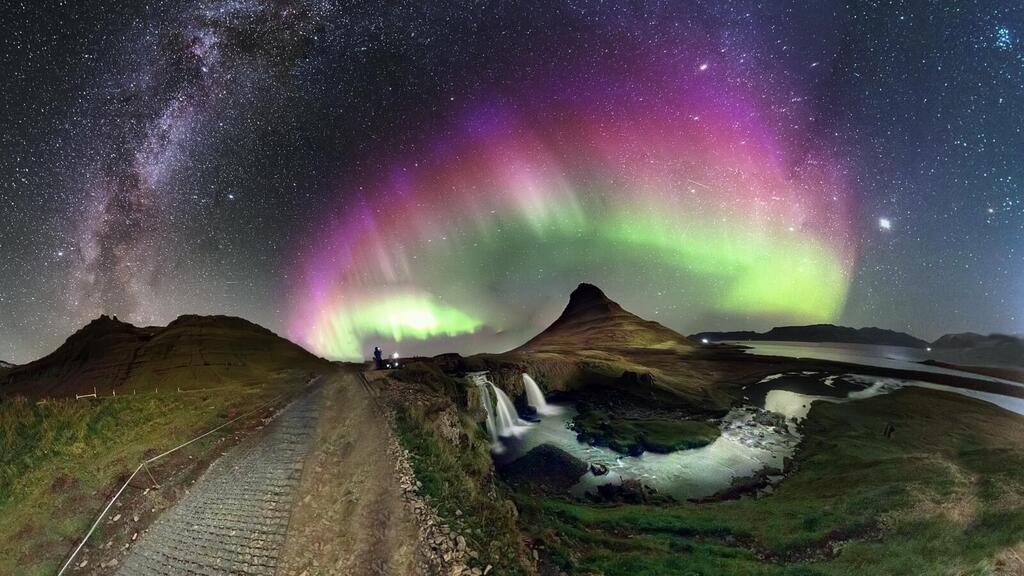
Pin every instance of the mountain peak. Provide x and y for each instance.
(105, 326)
(591, 320)
(587, 291)
(588, 300)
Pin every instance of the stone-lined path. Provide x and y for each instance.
(235, 518)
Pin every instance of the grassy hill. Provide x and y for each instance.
(191, 352)
(61, 459)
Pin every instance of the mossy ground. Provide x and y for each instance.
(944, 496)
(60, 461)
(459, 479)
(626, 435)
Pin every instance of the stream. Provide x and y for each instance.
(755, 437)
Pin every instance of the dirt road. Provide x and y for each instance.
(349, 517)
(313, 493)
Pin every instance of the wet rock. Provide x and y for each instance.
(545, 469)
(598, 469)
(629, 491)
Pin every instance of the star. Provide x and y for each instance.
(884, 224)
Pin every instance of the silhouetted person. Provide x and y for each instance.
(378, 358)
(889, 430)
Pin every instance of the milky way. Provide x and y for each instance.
(133, 197)
(436, 176)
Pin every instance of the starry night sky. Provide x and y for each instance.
(443, 173)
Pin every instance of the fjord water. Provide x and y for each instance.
(895, 357)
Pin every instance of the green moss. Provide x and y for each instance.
(633, 435)
(459, 479)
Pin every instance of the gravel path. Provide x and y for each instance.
(235, 518)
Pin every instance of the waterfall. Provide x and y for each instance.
(485, 403)
(535, 398)
(508, 419)
(502, 419)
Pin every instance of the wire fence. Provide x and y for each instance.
(113, 395)
(144, 465)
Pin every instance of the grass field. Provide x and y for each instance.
(60, 461)
(944, 496)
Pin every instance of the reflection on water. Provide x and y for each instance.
(895, 357)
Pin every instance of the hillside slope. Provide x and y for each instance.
(108, 355)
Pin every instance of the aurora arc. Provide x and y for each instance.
(696, 195)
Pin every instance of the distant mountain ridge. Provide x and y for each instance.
(821, 333)
(192, 351)
(973, 348)
(593, 321)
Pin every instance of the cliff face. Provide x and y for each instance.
(821, 333)
(190, 352)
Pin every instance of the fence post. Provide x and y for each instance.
(155, 483)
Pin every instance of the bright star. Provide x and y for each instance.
(703, 67)
(885, 224)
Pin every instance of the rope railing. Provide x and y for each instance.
(145, 465)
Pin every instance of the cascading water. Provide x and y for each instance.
(509, 423)
(535, 398)
(502, 419)
(485, 403)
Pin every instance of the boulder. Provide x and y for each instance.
(544, 469)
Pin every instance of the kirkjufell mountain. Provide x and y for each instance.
(591, 320)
